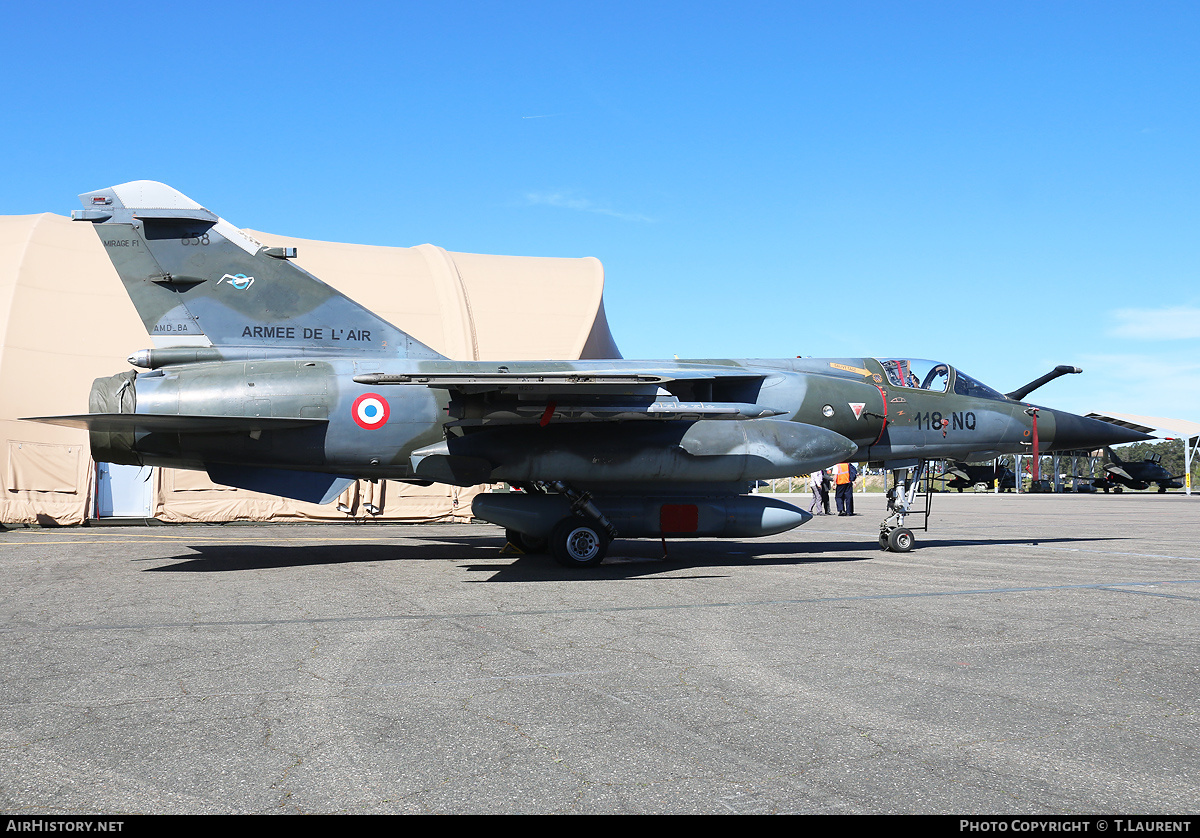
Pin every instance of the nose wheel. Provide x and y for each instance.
(894, 536)
(898, 540)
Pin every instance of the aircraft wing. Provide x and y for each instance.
(555, 380)
(174, 423)
(501, 380)
(505, 397)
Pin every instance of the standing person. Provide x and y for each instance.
(850, 492)
(843, 488)
(826, 482)
(815, 484)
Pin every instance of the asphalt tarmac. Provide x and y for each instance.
(1034, 655)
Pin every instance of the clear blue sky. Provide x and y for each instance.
(1003, 186)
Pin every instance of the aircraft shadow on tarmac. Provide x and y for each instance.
(627, 559)
(220, 558)
(645, 558)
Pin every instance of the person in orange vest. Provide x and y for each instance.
(844, 475)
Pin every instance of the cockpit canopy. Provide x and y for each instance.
(916, 374)
(935, 377)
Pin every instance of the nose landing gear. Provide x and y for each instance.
(894, 536)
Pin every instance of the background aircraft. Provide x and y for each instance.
(270, 380)
(959, 475)
(1120, 475)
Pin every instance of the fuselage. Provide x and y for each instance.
(758, 415)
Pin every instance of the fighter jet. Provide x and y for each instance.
(270, 380)
(1120, 475)
(959, 475)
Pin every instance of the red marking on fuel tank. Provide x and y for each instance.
(678, 517)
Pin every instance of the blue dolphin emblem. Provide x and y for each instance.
(239, 281)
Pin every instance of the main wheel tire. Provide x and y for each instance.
(883, 541)
(576, 543)
(901, 540)
(528, 543)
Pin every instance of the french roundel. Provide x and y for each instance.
(371, 411)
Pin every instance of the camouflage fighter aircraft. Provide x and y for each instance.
(959, 475)
(1120, 475)
(270, 380)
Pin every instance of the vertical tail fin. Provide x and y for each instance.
(196, 280)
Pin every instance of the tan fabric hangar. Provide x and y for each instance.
(65, 320)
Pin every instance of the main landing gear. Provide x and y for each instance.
(894, 536)
(577, 542)
(579, 539)
(574, 542)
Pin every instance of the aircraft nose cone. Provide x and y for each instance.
(1073, 432)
